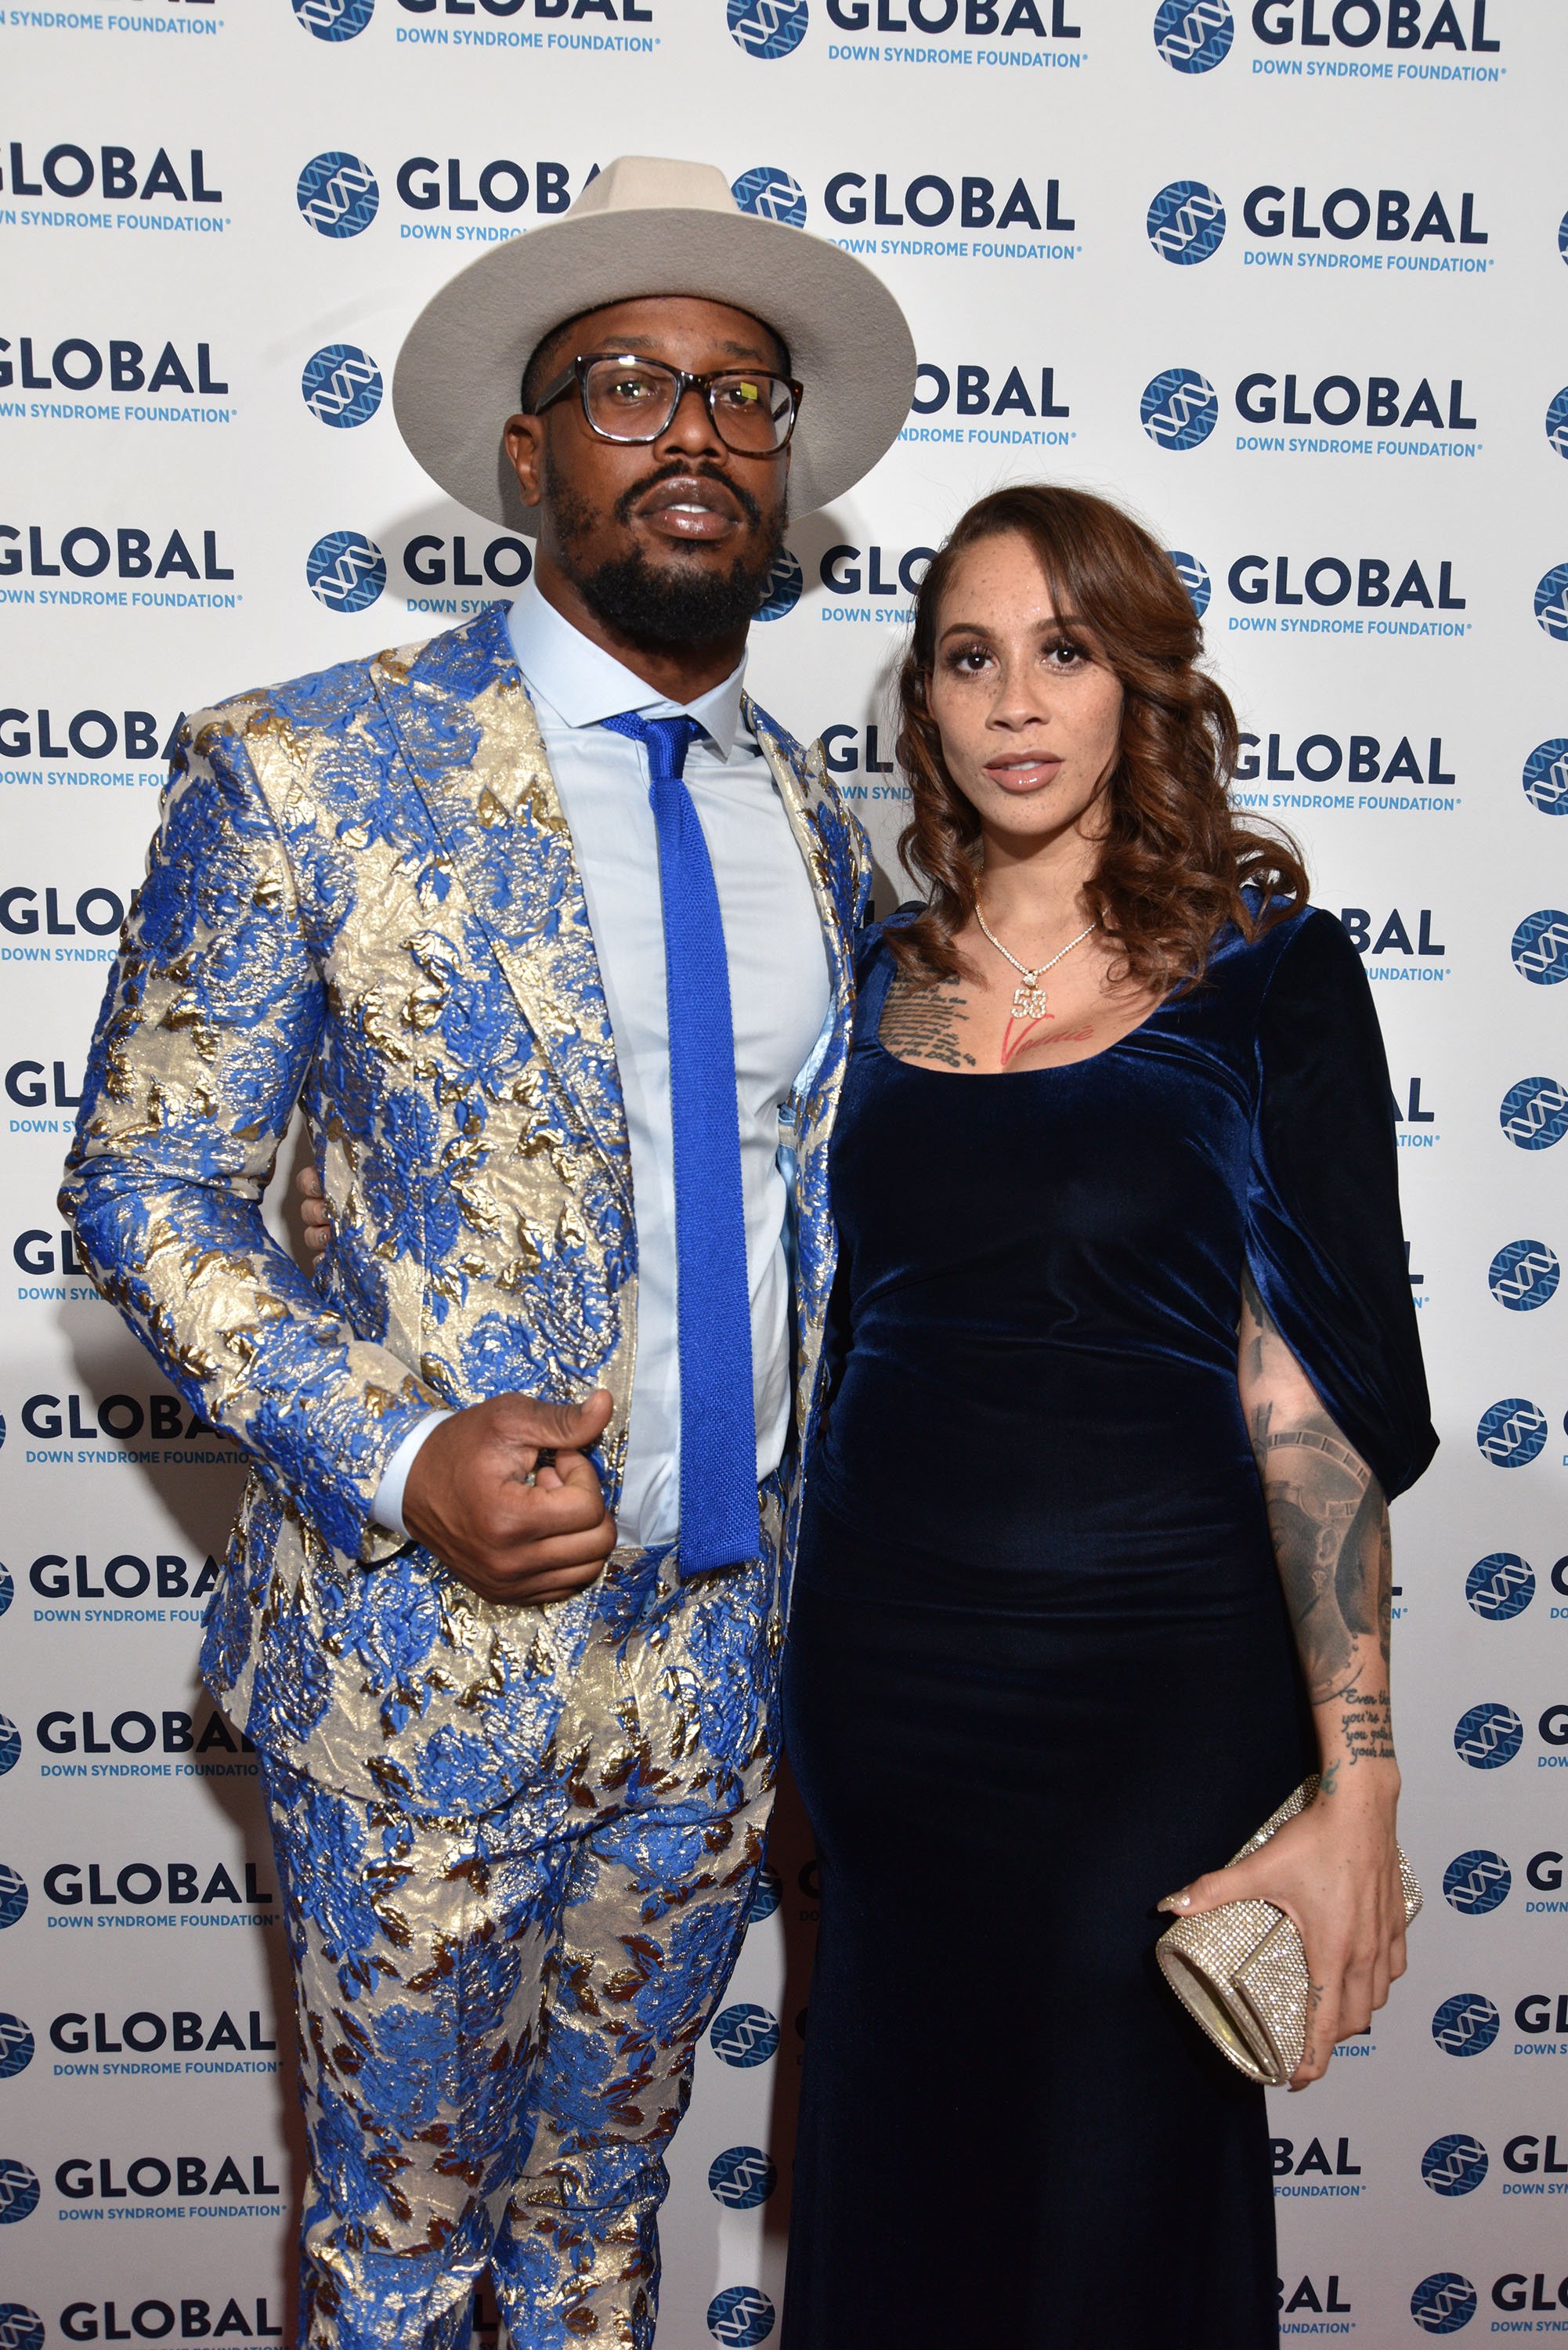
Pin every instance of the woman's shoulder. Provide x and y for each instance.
(1291, 969)
(872, 951)
(1282, 940)
(1294, 992)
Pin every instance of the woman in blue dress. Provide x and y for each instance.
(1095, 1566)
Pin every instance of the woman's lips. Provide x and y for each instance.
(1024, 775)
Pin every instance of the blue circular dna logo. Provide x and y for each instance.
(1540, 947)
(1524, 1276)
(1557, 424)
(741, 2314)
(1562, 236)
(1534, 1112)
(1466, 2024)
(10, 1745)
(741, 2177)
(1545, 778)
(15, 2046)
(768, 29)
(1443, 2303)
(13, 1896)
(7, 1593)
(335, 20)
(782, 593)
(1488, 1736)
(1194, 36)
(1512, 1434)
(338, 194)
(1552, 602)
(345, 570)
(1186, 222)
(18, 2191)
(20, 2328)
(1178, 408)
(1477, 1882)
(1454, 2165)
(341, 385)
(1194, 578)
(1500, 1586)
(766, 1895)
(770, 195)
(744, 2036)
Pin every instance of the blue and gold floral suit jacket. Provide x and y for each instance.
(363, 897)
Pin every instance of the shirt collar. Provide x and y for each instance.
(584, 685)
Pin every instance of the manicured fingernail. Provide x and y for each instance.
(1177, 1901)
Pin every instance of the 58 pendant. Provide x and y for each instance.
(1029, 1001)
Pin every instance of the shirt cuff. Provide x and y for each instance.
(387, 1509)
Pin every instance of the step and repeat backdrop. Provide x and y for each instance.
(1293, 279)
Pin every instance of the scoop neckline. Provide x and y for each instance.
(1049, 1069)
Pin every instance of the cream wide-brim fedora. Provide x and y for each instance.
(647, 224)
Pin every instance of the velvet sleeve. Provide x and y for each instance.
(1324, 1240)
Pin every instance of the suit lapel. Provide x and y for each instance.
(835, 929)
(469, 740)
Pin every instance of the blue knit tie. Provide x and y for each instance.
(719, 1518)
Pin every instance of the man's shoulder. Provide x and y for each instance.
(460, 662)
(806, 761)
(843, 848)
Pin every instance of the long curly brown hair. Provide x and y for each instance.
(1176, 863)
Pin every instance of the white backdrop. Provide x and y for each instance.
(1290, 280)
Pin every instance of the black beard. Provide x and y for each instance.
(678, 606)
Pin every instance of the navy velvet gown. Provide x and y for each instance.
(1039, 1672)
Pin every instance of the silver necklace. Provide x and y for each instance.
(1028, 996)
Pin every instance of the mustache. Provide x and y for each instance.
(679, 472)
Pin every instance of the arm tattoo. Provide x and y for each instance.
(1329, 1528)
(1365, 1725)
(927, 1024)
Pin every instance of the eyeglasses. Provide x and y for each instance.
(627, 399)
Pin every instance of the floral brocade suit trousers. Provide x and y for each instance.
(498, 2015)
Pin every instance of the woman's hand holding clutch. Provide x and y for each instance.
(1333, 1869)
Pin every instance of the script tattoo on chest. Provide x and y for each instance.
(927, 1024)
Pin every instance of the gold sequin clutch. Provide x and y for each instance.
(1241, 1973)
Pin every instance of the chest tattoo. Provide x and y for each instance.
(927, 1024)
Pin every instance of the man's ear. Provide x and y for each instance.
(524, 437)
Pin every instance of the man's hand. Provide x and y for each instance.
(314, 1212)
(505, 1498)
(503, 1492)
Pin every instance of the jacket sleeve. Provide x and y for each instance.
(1324, 1240)
(209, 1023)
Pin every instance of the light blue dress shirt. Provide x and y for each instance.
(780, 995)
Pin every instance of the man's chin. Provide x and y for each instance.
(694, 558)
(688, 595)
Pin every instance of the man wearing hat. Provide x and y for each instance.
(549, 929)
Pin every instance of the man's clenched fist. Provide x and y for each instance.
(513, 1526)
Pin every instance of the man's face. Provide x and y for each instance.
(672, 540)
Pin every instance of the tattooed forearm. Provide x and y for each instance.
(927, 1024)
(1329, 1528)
(1326, 1518)
(1364, 1725)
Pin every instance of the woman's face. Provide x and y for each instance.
(1029, 715)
